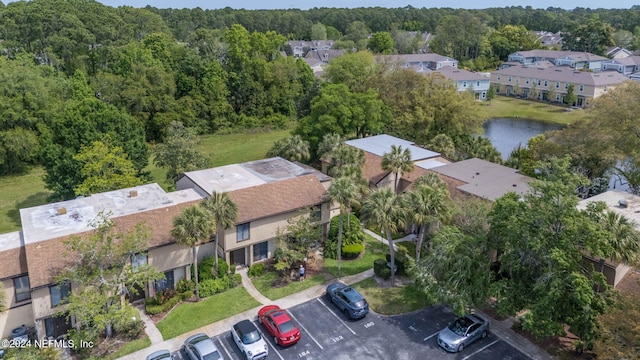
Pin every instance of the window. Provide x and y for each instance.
(138, 260)
(517, 79)
(566, 86)
(57, 326)
(546, 83)
(498, 77)
(59, 294)
(557, 97)
(526, 81)
(242, 232)
(539, 82)
(581, 88)
(477, 83)
(260, 251)
(464, 84)
(557, 84)
(166, 283)
(23, 291)
(509, 79)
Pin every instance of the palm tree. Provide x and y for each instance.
(398, 161)
(344, 191)
(427, 205)
(328, 144)
(192, 227)
(624, 242)
(384, 208)
(224, 212)
(346, 160)
(293, 149)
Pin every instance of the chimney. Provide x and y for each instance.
(133, 193)
(62, 211)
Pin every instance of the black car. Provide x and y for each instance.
(348, 299)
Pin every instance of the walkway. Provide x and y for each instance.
(150, 327)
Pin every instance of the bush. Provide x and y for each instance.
(81, 336)
(352, 251)
(126, 326)
(186, 295)
(237, 279)
(379, 265)
(212, 286)
(185, 285)
(385, 273)
(205, 269)
(400, 261)
(153, 308)
(256, 269)
(223, 268)
(351, 234)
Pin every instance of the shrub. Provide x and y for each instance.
(223, 268)
(256, 269)
(80, 336)
(237, 279)
(352, 251)
(379, 265)
(205, 268)
(385, 273)
(400, 261)
(154, 308)
(211, 286)
(351, 234)
(126, 326)
(186, 295)
(185, 285)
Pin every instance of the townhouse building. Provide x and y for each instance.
(267, 193)
(553, 83)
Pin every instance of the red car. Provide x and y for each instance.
(279, 324)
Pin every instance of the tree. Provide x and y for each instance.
(293, 148)
(618, 329)
(591, 35)
(383, 208)
(443, 144)
(398, 162)
(224, 212)
(428, 206)
(570, 98)
(540, 238)
(338, 110)
(456, 270)
(18, 150)
(104, 168)
(344, 191)
(192, 227)
(99, 268)
(511, 38)
(179, 153)
(329, 142)
(354, 70)
(318, 32)
(623, 242)
(346, 160)
(382, 43)
(491, 94)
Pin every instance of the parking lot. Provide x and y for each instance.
(327, 334)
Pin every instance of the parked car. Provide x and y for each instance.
(278, 324)
(160, 355)
(348, 300)
(462, 332)
(249, 341)
(201, 347)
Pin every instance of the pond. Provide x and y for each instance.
(507, 133)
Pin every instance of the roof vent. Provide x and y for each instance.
(623, 203)
(62, 211)
(133, 193)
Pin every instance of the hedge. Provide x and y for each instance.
(352, 251)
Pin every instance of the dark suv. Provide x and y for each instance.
(348, 299)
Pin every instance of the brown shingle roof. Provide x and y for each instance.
(14, 262)
(277, 197)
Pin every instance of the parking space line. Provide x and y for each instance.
(337, 317)
(266, 341)
(479, 350)
(224, 347)
(432, 335)
(307, 331)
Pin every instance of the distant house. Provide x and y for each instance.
(618, 53)
(300, 48)
(468, 81)
(622, 203)
(420, 62)
(573, 59)
(552, 83)
(549, 39)
(626, 66)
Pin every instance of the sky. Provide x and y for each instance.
(307, 4)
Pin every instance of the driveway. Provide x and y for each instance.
(327, 334)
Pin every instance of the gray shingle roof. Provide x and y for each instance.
(563, 74)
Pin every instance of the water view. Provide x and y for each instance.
(507, 133)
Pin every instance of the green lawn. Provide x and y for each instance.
(189, 316)
(510, 107)
(264, 285)
(20, 192)
(28, 190)
(129, 348)
(395, 300)
(374, 249)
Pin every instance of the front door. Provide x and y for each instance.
(238, 257)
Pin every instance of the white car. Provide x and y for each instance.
(251, 344)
